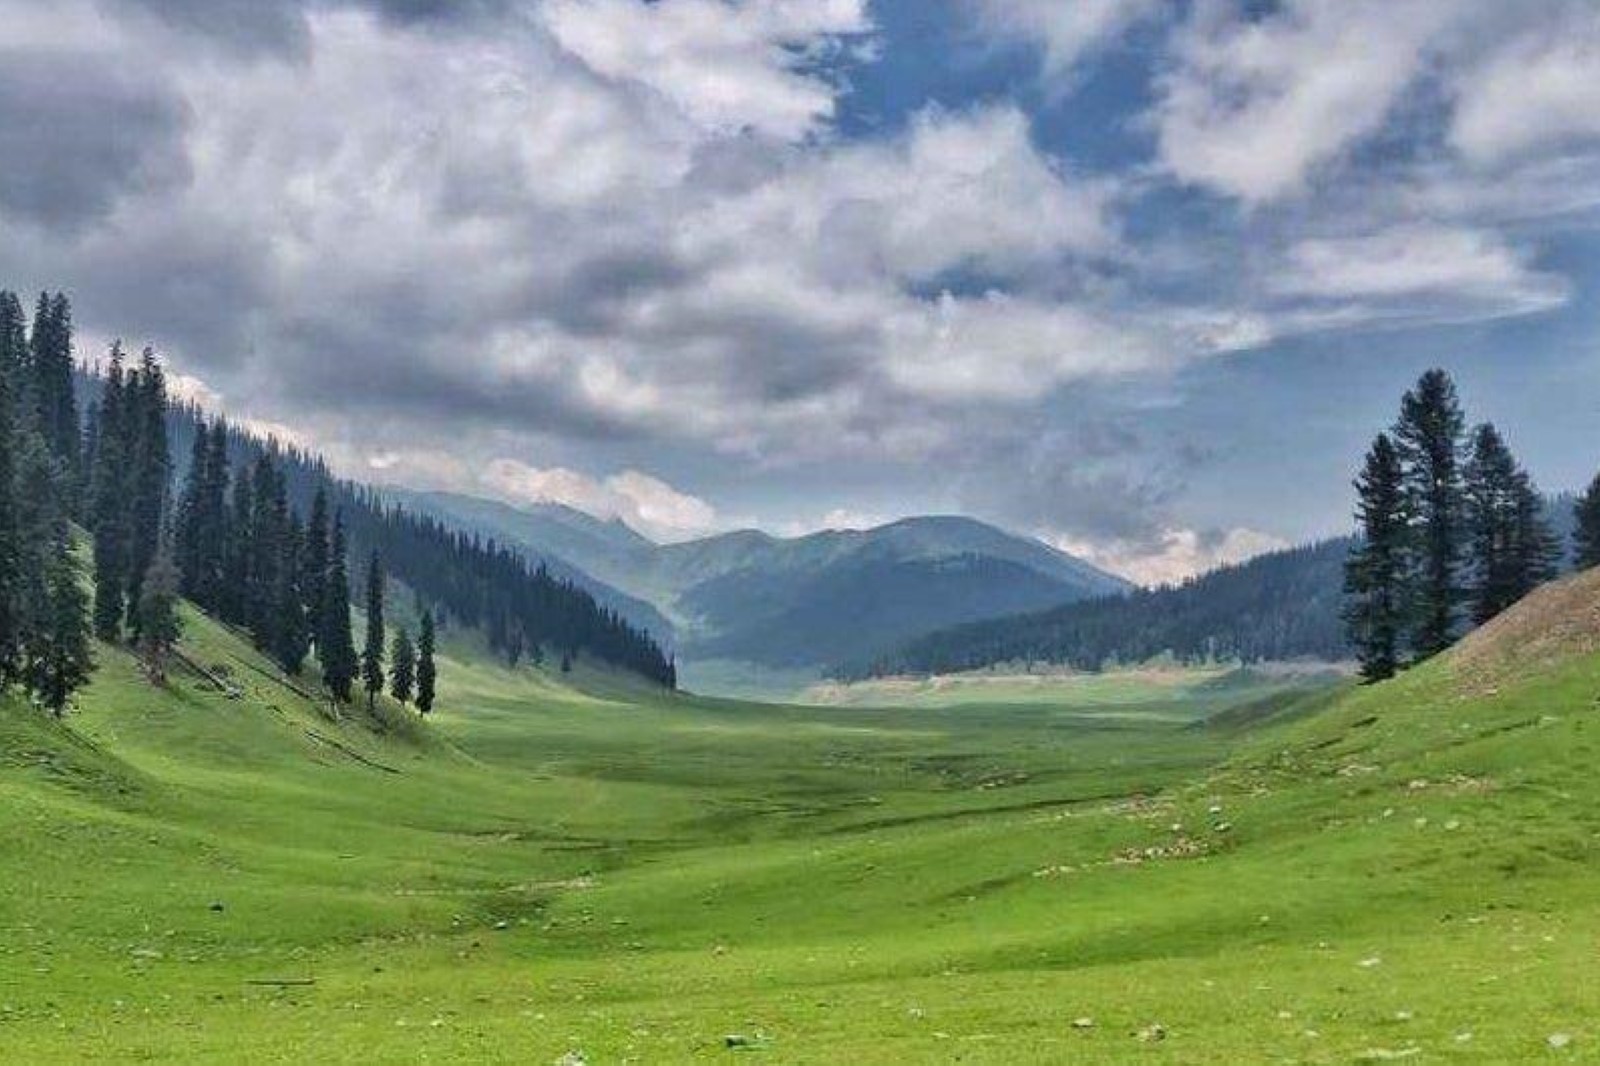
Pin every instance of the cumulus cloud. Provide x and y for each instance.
(646, 503)
(753, 65)
(1177, 555)
(508, 228)
(1066, 33)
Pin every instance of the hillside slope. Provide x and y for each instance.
(800, 602)
(1282, 605)
(1400, 871)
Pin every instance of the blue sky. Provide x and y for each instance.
(1140, 277)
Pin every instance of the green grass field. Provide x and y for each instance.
(1214, 873)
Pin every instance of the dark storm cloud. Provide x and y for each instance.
(76, 134)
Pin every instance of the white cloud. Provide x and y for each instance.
(1254, 107)
(726, 66)
(646, 503)
(1179, 554)
(1068, 31)
(1540, 91)
(1469, 270)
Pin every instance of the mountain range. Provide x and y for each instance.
(800, 603)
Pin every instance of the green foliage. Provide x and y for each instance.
(1378, 569)
(1586, 535)
(427, 669)
(402, 668)
(1429, 438)
(372, 651)
(1512, 548)
(335, 646)
(158, 624)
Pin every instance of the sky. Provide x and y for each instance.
(1139, 277)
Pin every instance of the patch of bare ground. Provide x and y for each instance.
(1551, 624)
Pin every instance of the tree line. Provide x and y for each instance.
(1281, 605)
(1452, 532)
(256, 534)
(44, 607)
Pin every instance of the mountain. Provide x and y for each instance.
(1283, 605)
(800, 602)
(811, 600)
(558, 537)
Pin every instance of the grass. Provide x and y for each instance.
(556, 865)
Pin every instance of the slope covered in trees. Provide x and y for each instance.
(1279, 606)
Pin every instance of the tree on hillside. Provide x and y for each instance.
(149, 474)
(12, 349)
(158, 623)
(59, 662)
(238, 579)
(1428, 437)
(427, 672)
(372, 654)
(402, 668)
(335, 647)
(201, 533)
(1512, 547)
(1377, 571)
(291, 633)
(107, 509)
(314, 565)
(1586, 536)
(51, 395)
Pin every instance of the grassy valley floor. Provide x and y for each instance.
(1213, 872)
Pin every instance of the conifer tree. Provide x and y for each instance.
(402, 668)
(1377, 571)
(151, 473)
(158, 623)
(427, 671)
(372, 654)
(335, 647)
(108, 511)
(59, 661)
(314, 564)
(238, 579)
(1586, 532)
(189, 521)
(1428, 437)
(292, 637)
(1512, 548)
(51, 364)
(11, 347)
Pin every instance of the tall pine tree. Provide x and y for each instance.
(1512, 548)
(1376, 574)
(12, 348)
(372, 653)
(157, 610)
(335, 647)
(1428, 437)
(402, 668)
(427, 671)
(314, 565)
(1586, 532)
(108, 510)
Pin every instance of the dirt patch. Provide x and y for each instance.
(1553, 623)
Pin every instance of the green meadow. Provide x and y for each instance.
(1212, 868)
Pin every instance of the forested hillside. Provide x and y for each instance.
(258, 535)
(1283, 605)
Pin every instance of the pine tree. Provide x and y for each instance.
(238, 586)
(314, 564)
(1512, 548)
(189, 521)
(1586, 533)
(372, 654)
(51, 364)
(1376, 573)
(151, 474)
(1428, 436)
(427, 672)
(335, 647)
(402, 668)
(293, 638)
(108, 511)
(212, 533)
(11, 354)
(158, 623)
(59, 661)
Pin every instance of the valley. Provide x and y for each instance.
(583, 868)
